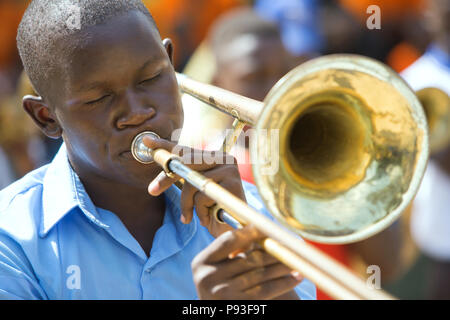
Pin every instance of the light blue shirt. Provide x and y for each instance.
(55, 244)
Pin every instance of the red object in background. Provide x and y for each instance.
(245, 168)
(402, 56)
(390, 9)
(11, 13)
(337, 252)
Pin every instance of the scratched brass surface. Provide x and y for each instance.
(353, 147)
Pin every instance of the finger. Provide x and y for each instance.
(160, 184)
(192, 158)
(273, 288)
(260, 275)
(202, 202)
(158, 143)
(222, 172)
(187, 202)
(228, 242)
(248, 261)
(227, 177)
(202, 205)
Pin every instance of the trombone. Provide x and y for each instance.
(353, 147)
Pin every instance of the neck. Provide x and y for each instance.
(134, 206)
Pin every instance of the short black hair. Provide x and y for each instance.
(237, 22)
(48, 22)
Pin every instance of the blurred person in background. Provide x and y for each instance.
(22, 146)
(317, 27)
(432, 69)
(430, 223)
(186, 22)
(298, 22)
(396, 40)
(339, 29)
(249, 58)
(6, 171)
(11, 12)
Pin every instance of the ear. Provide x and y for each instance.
(168, 45)
(42, 116)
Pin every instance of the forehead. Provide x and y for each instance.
(119, 46)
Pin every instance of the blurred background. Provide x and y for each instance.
(246, 47)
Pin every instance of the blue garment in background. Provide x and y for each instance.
(298, 22)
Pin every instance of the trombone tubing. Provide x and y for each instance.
(329, 275)
(223, 100)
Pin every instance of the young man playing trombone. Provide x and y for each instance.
(84, 227)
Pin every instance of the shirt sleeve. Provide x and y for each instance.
(306, 290)
(17, 280)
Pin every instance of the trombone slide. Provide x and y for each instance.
(329, 275)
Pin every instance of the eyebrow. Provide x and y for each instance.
(90, 86)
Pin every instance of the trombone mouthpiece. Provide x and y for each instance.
(141, 153)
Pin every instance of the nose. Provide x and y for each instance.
(137, 112)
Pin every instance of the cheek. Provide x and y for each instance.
(180, 121)
(86, 141)
(174, 108)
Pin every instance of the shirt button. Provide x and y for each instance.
(148, 270)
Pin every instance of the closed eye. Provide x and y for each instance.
(150, 80)
(98, 100)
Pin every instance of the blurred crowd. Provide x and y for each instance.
(246, 47)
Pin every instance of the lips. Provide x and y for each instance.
(127, 152)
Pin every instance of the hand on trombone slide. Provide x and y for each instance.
(234, 266)
(224, 173)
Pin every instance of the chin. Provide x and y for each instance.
(139, 175)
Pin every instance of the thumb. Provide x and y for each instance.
(160, 184)
(158, 143)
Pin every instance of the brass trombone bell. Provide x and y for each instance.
(353, 145)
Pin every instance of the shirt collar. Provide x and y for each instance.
(62, 192)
